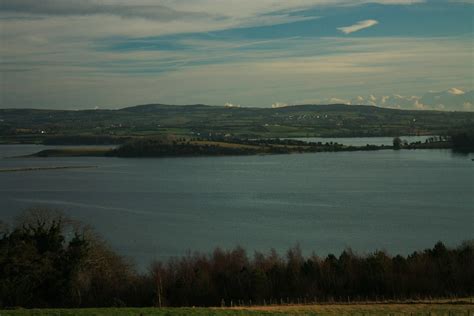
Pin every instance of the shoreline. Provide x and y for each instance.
(45, 168)
(212, 148)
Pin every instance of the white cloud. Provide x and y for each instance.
(442, 100)
(63, 72)
(88, 7)
(455, 91)
(468, 106)
(358, 26)
(50, 56)
(338, 101)
(420, 106)
(166, 9)
(97, 18)
(279, 105)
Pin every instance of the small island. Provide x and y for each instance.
(171, 146)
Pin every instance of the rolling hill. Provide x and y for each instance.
(336, 120)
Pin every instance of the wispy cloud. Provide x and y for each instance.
(358, 26)
(88, 7)
(79, 53)
(350, 66)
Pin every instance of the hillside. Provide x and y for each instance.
(106, 126)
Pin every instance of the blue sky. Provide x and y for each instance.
(78, 54)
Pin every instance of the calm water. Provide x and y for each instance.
(156, 208)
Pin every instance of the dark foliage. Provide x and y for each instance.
(47, 261)
(159, 147)
(463, 141)
(229, 277)
(397, 143)
(50, 262)
(156, 147)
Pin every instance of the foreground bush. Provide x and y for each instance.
(47, 260)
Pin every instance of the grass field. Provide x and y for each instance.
(329, 309)
(36, 126)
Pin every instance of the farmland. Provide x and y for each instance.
(116, 126)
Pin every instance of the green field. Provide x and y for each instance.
(114, 126)
(330, 309)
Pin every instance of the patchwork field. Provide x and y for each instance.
(115, 126)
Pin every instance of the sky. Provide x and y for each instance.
(86, 54)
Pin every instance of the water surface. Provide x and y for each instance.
(400, 201)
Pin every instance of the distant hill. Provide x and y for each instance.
(335, 120)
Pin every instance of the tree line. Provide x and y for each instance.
(160, 147)
(47, 260)
(463, 141)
